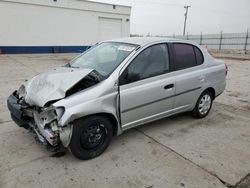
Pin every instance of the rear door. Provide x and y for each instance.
(146, 87)
(190, 76)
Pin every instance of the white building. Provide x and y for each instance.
(68, 24)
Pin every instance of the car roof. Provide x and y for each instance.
(142, 41)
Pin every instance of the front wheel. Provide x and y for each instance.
(203, 105)
(91, 136)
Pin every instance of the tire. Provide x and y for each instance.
(201, 110)
(91, 136)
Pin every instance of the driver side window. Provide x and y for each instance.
(153, 61)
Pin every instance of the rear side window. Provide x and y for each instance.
(199, 56)
(186, 56)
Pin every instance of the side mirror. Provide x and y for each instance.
(127, 77)
(132, 77)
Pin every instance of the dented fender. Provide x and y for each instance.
(95, 100)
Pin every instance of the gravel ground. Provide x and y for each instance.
(174, 152)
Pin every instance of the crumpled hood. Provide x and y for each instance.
(52, 85)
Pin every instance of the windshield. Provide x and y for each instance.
(104, 58)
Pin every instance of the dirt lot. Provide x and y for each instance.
(174, 152)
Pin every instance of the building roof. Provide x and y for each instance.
(79, 5)
(105, 3)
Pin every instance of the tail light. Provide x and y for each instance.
(226, 69)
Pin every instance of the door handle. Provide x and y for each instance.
(202, 78)
(169, 86)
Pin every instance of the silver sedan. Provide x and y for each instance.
(114, 86)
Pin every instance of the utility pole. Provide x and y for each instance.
(185, 21)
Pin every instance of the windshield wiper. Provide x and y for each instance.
(97, 76)
(67, 65)
(70, 66)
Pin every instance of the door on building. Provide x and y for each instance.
(109, 28)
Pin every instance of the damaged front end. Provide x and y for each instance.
(42, 121)
(32, 107)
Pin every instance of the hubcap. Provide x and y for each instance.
(93, 136)
(205, 104)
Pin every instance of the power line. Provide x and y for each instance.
(185, 21)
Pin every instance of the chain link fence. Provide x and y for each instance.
(221, 41)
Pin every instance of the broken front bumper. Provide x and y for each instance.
(16, 111)
(44, 125)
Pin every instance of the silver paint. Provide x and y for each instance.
(126, 103)
(52, 85)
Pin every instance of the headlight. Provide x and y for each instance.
(59, 112)
(21, 91)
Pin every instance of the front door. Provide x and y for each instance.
(147, 87)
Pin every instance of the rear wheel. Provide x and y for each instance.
(90, 137)
(203, 105)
